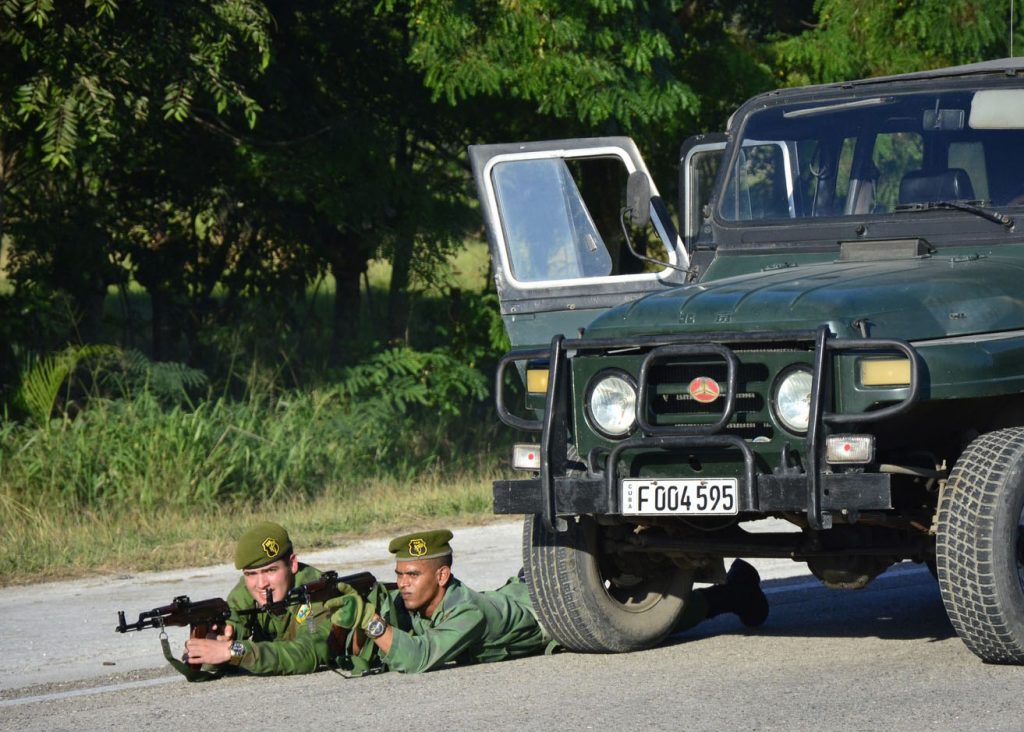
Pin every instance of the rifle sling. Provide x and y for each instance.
(192, 674)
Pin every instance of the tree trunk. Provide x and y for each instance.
(398, 293)
(347, 260)
(163, 335)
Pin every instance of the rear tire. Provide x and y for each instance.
(980, 546)
(586, 603)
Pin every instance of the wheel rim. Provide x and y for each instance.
(637, 594)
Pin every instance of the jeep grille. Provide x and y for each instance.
(671, 403)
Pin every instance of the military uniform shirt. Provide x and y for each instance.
(467, 626)
(281, 644)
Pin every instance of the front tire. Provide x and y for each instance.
(980, 546)
(590, 604)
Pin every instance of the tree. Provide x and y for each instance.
(854, 39)
(82, 82)
(658, 70)
(354, 154)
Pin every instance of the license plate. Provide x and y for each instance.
(683, 497)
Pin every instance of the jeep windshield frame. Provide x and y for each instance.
(845, 162)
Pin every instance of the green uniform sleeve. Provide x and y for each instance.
(433, 646)
(304, 653)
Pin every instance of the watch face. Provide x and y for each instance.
(237, 649)
(376, 628)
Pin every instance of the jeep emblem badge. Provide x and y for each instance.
(704, 389)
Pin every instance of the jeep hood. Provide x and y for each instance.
(917, 299)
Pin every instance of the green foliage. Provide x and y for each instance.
(125, 374)
(42, 379)
(170, 382)
(395, 415)
(859, 38)
(394, 380)
(130, 153)
(473, 329)
(78, 61)
(40, 542)
(590, 60)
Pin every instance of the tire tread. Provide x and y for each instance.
(986, 619)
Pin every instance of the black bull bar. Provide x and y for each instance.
(554, 493)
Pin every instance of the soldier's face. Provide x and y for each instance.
(279, 576)
(421, 583)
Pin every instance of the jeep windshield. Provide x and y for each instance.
(958, 151)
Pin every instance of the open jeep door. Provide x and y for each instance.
(554, 217)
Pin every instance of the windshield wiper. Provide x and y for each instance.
(993, 216)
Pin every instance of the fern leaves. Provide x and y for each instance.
(41, 382)
(127, 372)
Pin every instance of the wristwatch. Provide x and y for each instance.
(376, 627)
(237, 649)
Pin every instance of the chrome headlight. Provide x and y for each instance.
(611, 403)
(791, 399)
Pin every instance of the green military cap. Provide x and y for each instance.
(264, 543)
(421, 545)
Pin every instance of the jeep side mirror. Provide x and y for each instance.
(638, 198)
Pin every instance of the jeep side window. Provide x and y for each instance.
(560, 219)
(548, 231)
(702, 168)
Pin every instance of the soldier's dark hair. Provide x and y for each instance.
(445, 561)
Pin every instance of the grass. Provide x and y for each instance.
(37, 544)
(468, 268)
(131, 482)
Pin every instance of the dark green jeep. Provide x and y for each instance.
(834, 338)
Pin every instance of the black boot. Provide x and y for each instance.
(741, 594)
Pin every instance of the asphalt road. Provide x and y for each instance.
(882, 658)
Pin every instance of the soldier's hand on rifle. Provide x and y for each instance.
(207, 650)
(350, 611)
(346, 589)
(228, 634)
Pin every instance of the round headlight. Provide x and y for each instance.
(612, 404)
(792, 400)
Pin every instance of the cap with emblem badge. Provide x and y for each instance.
(264, 543)
(421, 545)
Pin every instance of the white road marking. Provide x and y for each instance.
(57, 695)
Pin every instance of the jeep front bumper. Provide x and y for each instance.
(816, 490)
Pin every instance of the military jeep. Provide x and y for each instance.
(832, 336)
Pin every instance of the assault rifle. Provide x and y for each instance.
(200, 616)
(204, 616)
(319, 590)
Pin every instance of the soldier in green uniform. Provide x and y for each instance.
(432, 618)
(293, 642)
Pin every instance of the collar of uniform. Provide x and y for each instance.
(453, 594)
